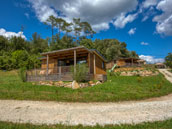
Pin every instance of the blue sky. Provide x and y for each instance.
(145, 25)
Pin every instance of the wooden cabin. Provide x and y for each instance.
(125, 62)
(56, 65)
(160, 65)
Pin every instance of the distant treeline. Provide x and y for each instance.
(16, 52)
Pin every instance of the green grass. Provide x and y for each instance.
(155, 125)
(119, 89)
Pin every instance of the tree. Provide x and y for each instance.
(77, 28)
(168, 60)
(67, 27)
(51, 21)
(59, 24)
(87, 29)
(38, 45)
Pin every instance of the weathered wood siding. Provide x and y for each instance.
(52, 63)
(109, 65)
(99, 67)
(91, 64)
(121, 62)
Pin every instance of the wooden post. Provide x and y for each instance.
(74, 61)
(47, 64)
(60, 71)
(94, 64)
(132, 62)
(89, 65)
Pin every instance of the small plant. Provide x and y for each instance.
(22, 74)
(81, 72)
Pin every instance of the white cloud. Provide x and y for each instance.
(43, 11)
(99, 13)
(4, 33)
(151, 59)
(132, 31)
(122, 20)
(144, 43)
(148, 3)
(164, 21)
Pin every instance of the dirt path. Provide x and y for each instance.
(167, 74)
(36, 112)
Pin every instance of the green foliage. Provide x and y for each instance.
(16, 52)
(168, 60)
(22, 74)
(81, 72)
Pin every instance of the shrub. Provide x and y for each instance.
(81, 72)
(22, 74)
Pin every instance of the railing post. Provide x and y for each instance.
(60, 72)
(94, 64)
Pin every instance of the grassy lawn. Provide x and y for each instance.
(155, 125)
(118, 89)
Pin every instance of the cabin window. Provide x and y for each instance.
(103, 65)
(81, 62)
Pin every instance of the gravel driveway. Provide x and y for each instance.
(36, 112)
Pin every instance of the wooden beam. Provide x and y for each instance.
(47, 64)
(94, 64)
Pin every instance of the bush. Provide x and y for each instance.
(22, 74)
(81, 72)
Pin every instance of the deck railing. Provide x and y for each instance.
(54, 74)
(62, 73)
(132, 65)
(50, 71)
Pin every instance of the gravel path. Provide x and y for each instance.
(167, 74)
(36, 112)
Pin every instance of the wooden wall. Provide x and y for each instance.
(91, 63)
(109, 65)
(99, 69)
(52, 63)
(121, 62)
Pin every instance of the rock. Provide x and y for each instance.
(51, 82)
(83, 85)
(68, 85)
(98, 83)
(91, 82)
(75, 85)
(59, 83)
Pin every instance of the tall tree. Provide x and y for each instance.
(59, 24)
(77, 28)
(87, 29)
(52, 22)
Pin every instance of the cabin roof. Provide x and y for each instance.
(74, 48)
